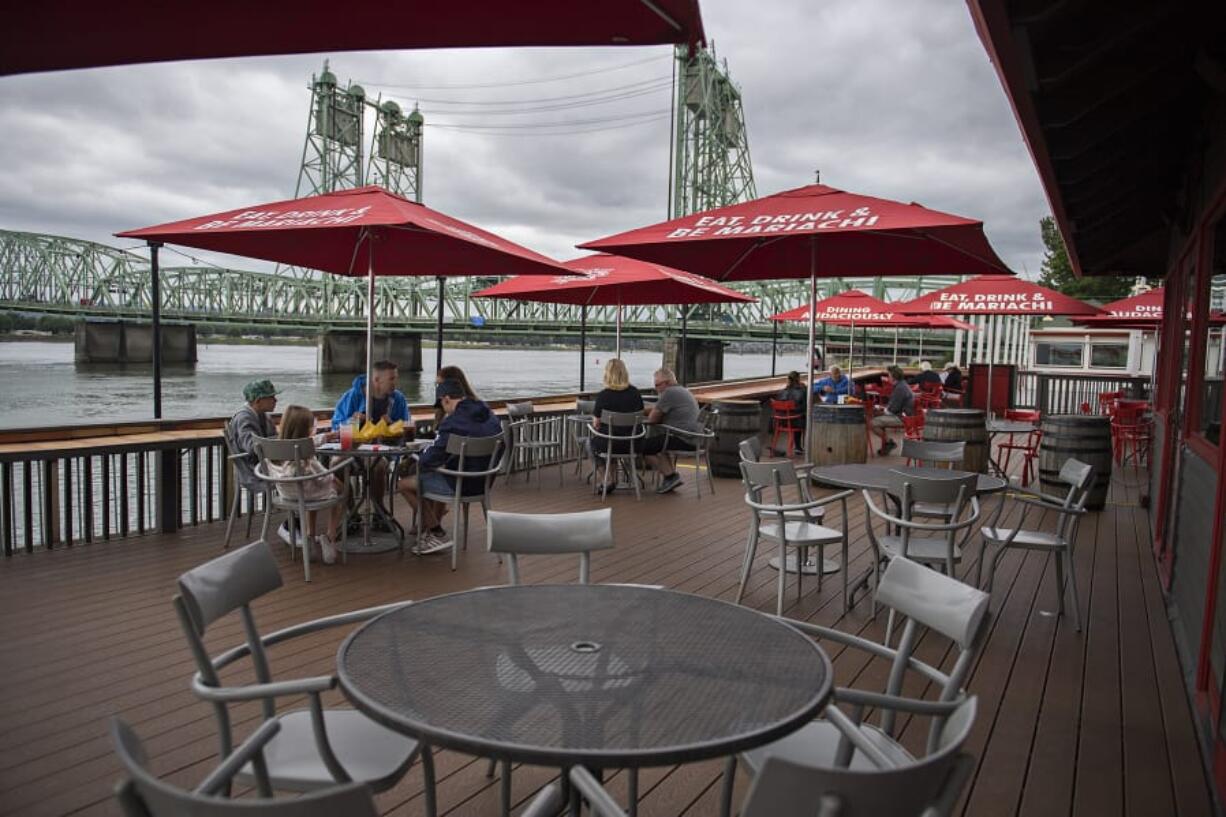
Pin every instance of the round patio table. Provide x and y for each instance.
(368, 455)
(876, 477)
(606, 676)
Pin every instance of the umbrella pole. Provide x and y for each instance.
(991, 358)
(812, 341)
(156, 298)
(921, 344)
(864, 349)
(582, 346)
(370, 321)
(619, 328)
(896, 346)
(438, 350)
(775, 344)
(681, 352)
(851, 351)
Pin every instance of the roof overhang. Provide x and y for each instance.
(1110, 98)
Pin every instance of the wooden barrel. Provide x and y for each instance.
(734, 420)
(838, 435)
(1076, 436)
(961, 425)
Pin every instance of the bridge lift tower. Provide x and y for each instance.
(333, 157)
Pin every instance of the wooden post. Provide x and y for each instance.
(167, 479)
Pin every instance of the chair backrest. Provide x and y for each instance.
(144, 795)
(625, 425)
(517, 534)
(938, 603)
(949, 490)
(1079, 476)
(482, 456)
(765, 481)
(751, 449)
(934, 452)
(1023, 415)
(931, 388)
(277, 450)
(222, 585)
(929, 786)
(244, 468)
(621, 420)
(585, 406)
(523, 409)
(783, 409)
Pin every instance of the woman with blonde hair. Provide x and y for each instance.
(617, 395)
(298, 423)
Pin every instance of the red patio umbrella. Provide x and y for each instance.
(1142, 311)
(996, 295)
(610, 280)
(364, 231)
(813, 231)
(57, 34)
(856, 307)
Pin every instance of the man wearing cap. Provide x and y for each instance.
(252, 420)
(465, 417)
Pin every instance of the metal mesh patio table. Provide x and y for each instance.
(608, 676)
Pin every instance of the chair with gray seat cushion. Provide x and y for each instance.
(927, 601)
(315, 747)
(791, 523)
(927, 786)
(141, 794)
(1068, 510)
(245, 480)
(494, 451)
(935, 544)
(285, 492)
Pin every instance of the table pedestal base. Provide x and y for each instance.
(808, 568)
(384, 543)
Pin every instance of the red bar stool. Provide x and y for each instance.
(788, 420)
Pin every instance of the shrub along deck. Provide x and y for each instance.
(1091, 723)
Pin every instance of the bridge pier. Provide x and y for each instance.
(107, 341)
(343, 351)
(704, 359)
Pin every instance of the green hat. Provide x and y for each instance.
(257, 389)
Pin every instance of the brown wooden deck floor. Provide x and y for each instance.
(1090, 724)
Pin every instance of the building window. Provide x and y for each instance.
(1108, 355)
(1066, 354)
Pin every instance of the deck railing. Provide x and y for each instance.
(1053, 393)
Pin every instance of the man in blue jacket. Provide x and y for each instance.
(388, 401)
(467, 418)
(829, 388)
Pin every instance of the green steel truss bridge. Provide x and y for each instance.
(51, 274)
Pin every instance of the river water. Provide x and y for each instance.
(41, 385)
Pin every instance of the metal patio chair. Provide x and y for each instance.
(623, 433)
(494, 451)
(934, 454)
(927, 787)
(299, 452)
(935, 544)
(536, 437)
(928, 601)
(1079, 477)
(141, 794)
(580, 424)
(315, 747)
(245, 480)
(775, 518)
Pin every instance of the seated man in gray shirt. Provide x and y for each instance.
(677, 409)
(902, 402)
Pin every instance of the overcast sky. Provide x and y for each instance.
(891, 98)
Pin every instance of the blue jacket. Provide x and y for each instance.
(354, 400)
(843, 386)
(471, 418)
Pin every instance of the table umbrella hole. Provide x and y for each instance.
(585, 647)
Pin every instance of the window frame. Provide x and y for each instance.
(1080, 344)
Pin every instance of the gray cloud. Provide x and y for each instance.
(888, 97)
